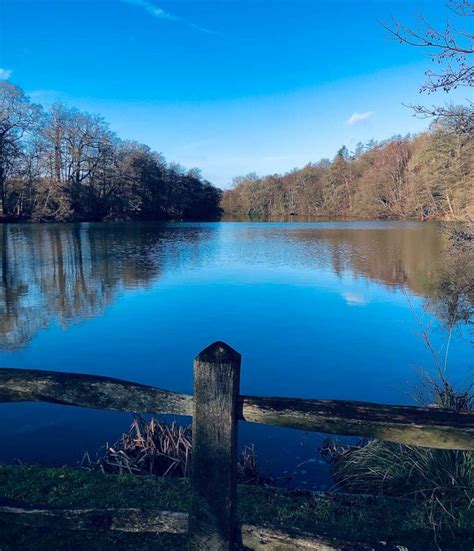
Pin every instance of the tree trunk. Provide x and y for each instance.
(2, 192)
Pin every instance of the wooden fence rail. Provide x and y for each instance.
(216, 406)
(137, 521)
(429, 427)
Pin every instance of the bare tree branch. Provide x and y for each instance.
(451, 49)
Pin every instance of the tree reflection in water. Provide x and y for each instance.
(69, 272)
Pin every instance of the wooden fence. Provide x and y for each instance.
(216, 406)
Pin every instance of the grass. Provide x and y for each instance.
(352, 518)
(440, 482)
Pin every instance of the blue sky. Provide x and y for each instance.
(229, 86)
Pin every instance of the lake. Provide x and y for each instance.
(317, 310)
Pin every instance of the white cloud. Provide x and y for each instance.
(5, 74)
(159, 13)
(355, 118)
(354, 299)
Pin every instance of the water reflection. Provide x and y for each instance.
(71, 272)
(394, 255)
(316, 309)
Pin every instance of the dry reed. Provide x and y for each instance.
(162, 449)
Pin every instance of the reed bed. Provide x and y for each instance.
(162, 449)
(440, 481)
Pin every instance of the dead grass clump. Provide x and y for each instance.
(162, 449)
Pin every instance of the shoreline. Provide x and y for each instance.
(242, 219)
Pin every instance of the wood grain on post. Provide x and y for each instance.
(212, 523)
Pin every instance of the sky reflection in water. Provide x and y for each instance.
(317, 310)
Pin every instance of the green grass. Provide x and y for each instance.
(351, 518)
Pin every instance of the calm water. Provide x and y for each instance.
(317, 310)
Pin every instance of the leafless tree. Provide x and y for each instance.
(18, 116)
(426, 177)
(451, 50)
(62, 164)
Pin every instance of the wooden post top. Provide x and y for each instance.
(218, 352)
(213, 520)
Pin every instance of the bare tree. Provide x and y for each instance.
(17, 117)
(451, 50)
(63, 164)
(426, 177)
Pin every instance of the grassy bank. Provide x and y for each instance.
(350, 518)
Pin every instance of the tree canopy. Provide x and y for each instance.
(61, 164)
(427, 176)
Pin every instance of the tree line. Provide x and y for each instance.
(428, 176)
(61, 164)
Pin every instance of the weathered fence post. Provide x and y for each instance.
(212, 523)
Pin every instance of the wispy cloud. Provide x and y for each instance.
(355, 118)
(159, 13)
(151, 9)
(5, 74)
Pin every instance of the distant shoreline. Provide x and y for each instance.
(235, 218)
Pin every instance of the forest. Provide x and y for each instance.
(60, 164)
(427, 176)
